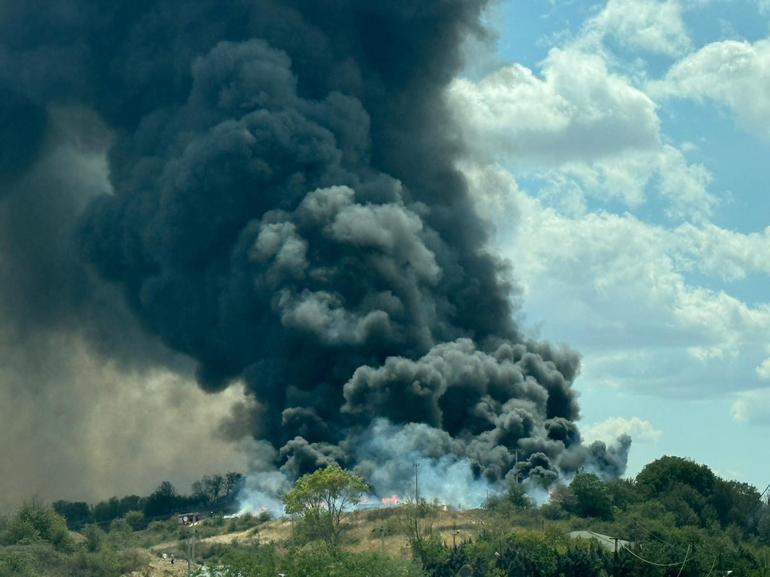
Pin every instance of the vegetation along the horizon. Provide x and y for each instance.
(675, 519)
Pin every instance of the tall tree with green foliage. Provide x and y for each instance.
(763, 527)
(77, 513)
(667, 472)
(163, 501)
(592, 499)
(322, 497)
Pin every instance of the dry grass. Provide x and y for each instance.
(159, 567)
(366, 531)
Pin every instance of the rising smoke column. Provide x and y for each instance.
(285, 210)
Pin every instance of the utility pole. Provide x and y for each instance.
(516, 466)
(191, 552)
(615, 559)
(416, 484)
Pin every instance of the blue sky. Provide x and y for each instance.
(621, 148)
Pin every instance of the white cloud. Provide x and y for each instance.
(576, 131)
(616, 288)
(735, 74)
(651, 25)
(721, 253)
(582, 131)
(577, 111)
(610, 429)
(626, 177)
(752, 407)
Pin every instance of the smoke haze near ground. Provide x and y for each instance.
(265, 194)
(90, 406)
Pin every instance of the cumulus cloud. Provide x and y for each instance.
(582, 131)
(576, 110)
(636, 428)
(627, 177)
(722, 253)
(650, 25)
(735, 74)
(564, 155)
(618, 287)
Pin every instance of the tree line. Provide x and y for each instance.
(212, 493)
(675, 519)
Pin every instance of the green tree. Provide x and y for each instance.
(664, 473)
(136, 521)
(209, 490)
(94, 538)
(315, 560)
(528, 555)
(16, 564)
(584, 559)
(592, 499)
(623, 493)
(322, 497)
(736, 503)
(106, 511)
(35, 522)
(120, 528)
(688, 505)
(163, 501)
(76, 513)
(518, 497)
(763, 527)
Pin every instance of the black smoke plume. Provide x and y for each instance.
(285, 210)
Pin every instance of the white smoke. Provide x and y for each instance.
(403, 460)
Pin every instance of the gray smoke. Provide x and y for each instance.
(284, 210)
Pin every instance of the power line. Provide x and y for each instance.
(626, 548)
(652, 535)
(686, 555)
(714, 564)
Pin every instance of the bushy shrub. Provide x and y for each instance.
(135, 520)
(36, 523)
(16, 564)
(763, 527)
(120, 528)
(315, 560)
(94, 537)
(104, 563)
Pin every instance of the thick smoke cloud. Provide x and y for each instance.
(284, 210)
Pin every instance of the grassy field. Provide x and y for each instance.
(383, 531)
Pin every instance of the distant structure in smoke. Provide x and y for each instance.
(286, 212)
